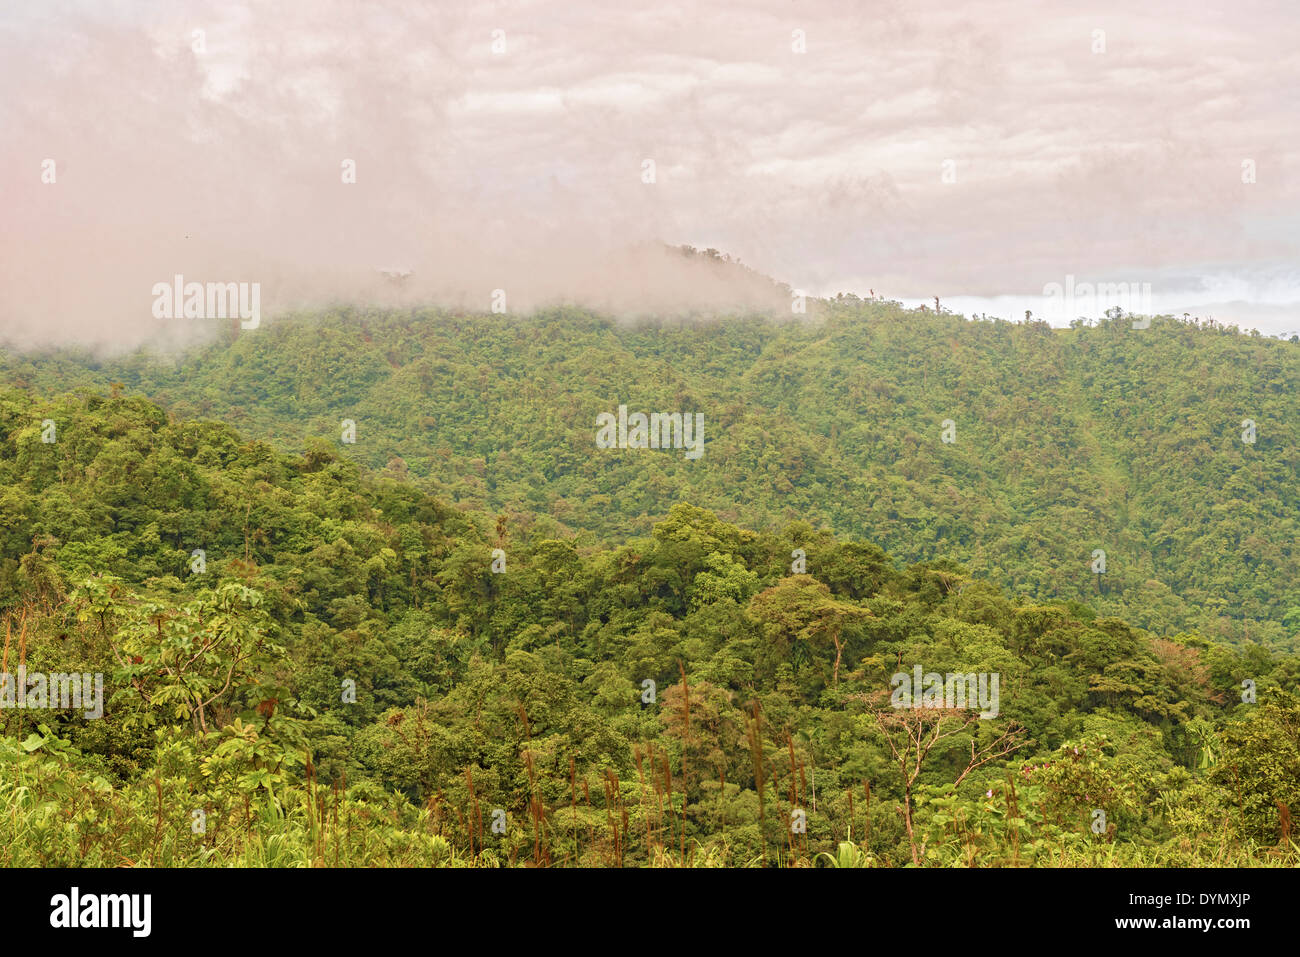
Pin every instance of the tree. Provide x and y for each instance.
(187, 659)
(801, 609)
(1259, 763)
(913, 733)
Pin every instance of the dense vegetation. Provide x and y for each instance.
(1066, 441)
(524, 689)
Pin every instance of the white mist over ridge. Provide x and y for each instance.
(911, 148)
(1267, 300)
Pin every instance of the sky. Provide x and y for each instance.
(987, 154)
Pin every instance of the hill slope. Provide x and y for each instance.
(345, 678)
(1066, 441)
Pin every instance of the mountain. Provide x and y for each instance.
(308, 663)
(1065, 443)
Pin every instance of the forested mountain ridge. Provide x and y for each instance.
(1064, 441)
(347, 675)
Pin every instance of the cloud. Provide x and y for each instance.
(218, 154)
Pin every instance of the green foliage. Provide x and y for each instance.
(649, 683)
(1067, 440)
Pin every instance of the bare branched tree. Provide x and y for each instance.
(912, 733)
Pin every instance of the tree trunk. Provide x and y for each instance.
(907, 819)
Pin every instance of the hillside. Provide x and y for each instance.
(349, 673)
(1067, 441)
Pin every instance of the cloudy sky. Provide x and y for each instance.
(978, 153)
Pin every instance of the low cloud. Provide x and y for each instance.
(912, 150)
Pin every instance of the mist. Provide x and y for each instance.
(543, 153)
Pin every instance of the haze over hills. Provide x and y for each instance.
(1063, 442)
(908, 147)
